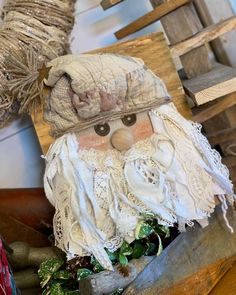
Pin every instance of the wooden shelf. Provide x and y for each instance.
(220, 81)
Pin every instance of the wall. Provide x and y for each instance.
(21, 164)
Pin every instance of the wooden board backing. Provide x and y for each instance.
(155, 52)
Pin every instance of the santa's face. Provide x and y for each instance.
(127, 130)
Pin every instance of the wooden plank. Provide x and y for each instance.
(198, 257)
(29, 206)
(212, 12)
(12, 230)
(148, 48)
(222, 136)
(180, 25)
(213, 108)
(197, 283)
(204, 36)
(227, 285)
(150, 17)
(109, 3)
(220, 81)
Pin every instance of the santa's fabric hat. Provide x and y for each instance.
(90, 89)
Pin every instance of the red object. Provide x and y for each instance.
(5, 275)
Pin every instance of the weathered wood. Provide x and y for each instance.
(180, 25)
(29, 206)
(222, 136)
(220, 81)
(198, 253)
(212, 12)
(150, 17)
(204, 36)
(109, 3)
(213, 108)
(13, 230)
(203, 281)
(227, 285)
(147, 48)
(106, 282)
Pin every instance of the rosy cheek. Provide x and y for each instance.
(94, 141)
(142, 129)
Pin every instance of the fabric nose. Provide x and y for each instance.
(122, 139)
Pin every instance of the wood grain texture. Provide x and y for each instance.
(12, 230)
(195, 261)
(227, 285)
(213, 108)
(106, 4)
(180, 25)
(29, 206)
(220, 81)
(155, 52)
(204, 36)
(202, 282)
(150, 17)
(213, 12)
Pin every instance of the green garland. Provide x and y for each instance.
(62, 278)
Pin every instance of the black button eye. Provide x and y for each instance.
(102, 129)
(129, 120)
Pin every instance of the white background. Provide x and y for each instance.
(20, 161)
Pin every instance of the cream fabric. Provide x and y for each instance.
(90, 89)
(100, 196)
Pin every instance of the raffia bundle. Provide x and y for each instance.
(32, 33)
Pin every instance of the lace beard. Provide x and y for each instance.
(100, 196)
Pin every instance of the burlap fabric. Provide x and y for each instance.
(91, 89)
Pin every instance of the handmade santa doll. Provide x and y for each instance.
(122, 151)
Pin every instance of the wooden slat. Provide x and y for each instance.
(193, 263)
(227, 285)
(180, 25)
(197, 283)
(154, 51)
(213, 108)
(150, 17)
(222, 136)
(220, 81)
(213, 12)
(204, 36)
(109, 3)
